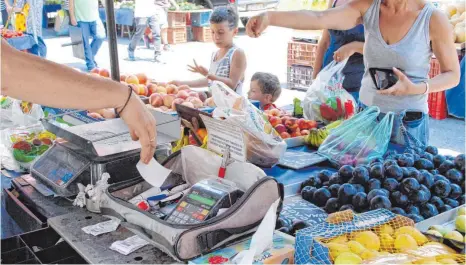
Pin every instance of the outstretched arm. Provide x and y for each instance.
(31, 78)
(340, 18)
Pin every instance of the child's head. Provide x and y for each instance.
(265, 87)
(224, 26)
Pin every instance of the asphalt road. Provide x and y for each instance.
(266, 54)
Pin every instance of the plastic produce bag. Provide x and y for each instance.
(359, 139)
(25, 113)
(263, 144)
(62, 26)
(326, 100)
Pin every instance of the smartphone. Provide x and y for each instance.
(412, 116)
(383, 78)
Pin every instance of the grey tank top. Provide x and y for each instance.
(411, 54)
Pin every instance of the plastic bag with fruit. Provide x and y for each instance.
(360, 139)
(25, 113)
(264, 145)
(326, 100)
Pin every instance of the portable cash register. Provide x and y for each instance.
(203, 201)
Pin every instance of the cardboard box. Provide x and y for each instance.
(282, 252)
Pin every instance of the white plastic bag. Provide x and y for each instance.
(326, 100)
(26, 114)
(263, 144)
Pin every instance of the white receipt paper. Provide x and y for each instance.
(128, 245)
(102, 228)
(154, 173)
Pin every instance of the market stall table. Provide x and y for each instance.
(27, 42)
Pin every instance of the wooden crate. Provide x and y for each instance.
(202, 34)
(176, 19)
(177, 35)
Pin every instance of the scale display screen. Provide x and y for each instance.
(60, 165)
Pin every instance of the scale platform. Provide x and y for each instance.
(94, 148)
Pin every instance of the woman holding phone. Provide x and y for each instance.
(400, 35)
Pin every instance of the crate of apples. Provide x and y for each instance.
(288, 126)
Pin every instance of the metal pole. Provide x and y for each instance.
(112, 40)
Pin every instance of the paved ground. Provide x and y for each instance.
(267, 54)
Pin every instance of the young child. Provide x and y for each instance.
(228, 64)
(266, 89)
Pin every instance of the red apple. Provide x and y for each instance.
(168, 100)
(182, 94)
(280, 128)
(285, 135)
(142, 78)
(104, 73)
(156, 100)
(177, 101)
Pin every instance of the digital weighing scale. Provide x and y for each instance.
(92, 149)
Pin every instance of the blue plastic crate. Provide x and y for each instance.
(201, 19)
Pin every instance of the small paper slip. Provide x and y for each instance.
(298, 159)
(101, 228)
(128, 245)
(154, 173)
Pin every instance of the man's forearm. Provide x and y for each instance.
(37, 80)
(196, 83)
(300, 20)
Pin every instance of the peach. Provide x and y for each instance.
(304, 132)
(183, 87)
(182, 94)
(193, 94)
(188, 104)
(285, 135)
(202, 95)
(172, 90)
(123, 77)
(132, 79)
(290, 121)
(293, 127)
(274, 120)
(156, 100)
(161, 90)
(95, 71)
(209, 102)
(152, 88)
(168, 100)
(104, 73)
(275, 112)
(142, 78)
(177, 101)
(312, 124)
(197, 103)
(296, 133)
(280, 128)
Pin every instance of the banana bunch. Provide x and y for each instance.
(317, 136)
(184, 141)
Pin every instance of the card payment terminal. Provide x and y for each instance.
(203, 201)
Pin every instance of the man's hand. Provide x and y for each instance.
(198, 69)
(403, 87)
(73, 21)
(257, 24)
(344, 52)
(142, 126)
